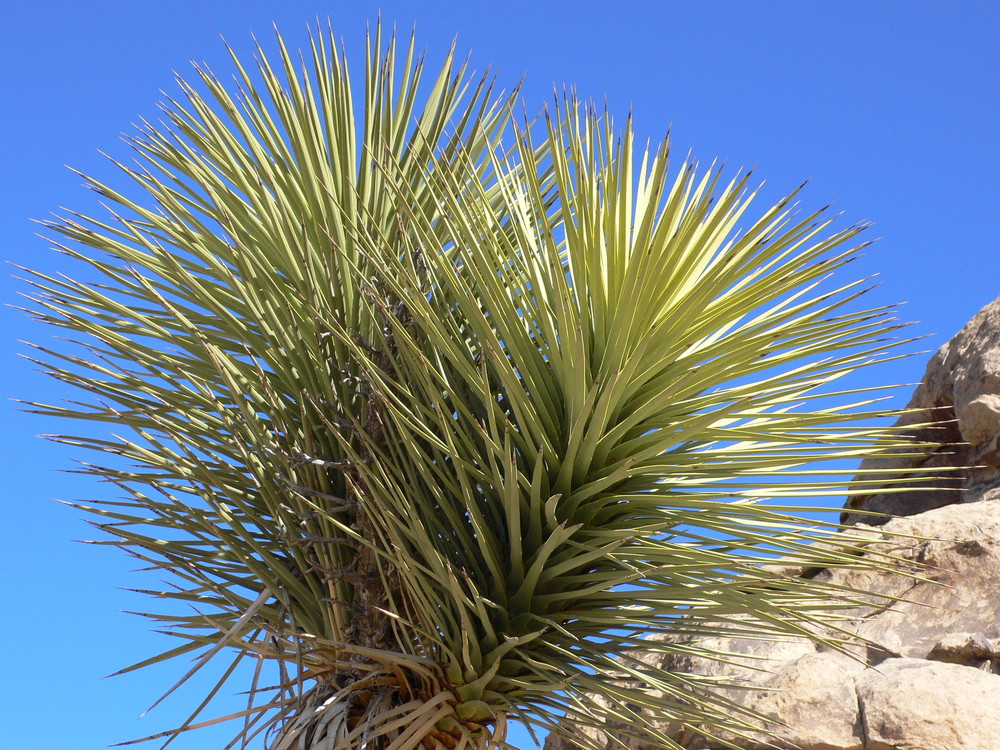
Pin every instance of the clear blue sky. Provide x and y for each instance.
(890, 107)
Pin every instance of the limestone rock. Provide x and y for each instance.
(927, 705)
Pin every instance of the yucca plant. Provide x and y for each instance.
(442, 414)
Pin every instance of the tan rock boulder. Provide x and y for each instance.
(933, 658)
(813, 697)
(957, 593)
(926, 705)
(763, 675)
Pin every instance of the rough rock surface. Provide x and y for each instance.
(961, 387)
(930, 678)
(815, 700)
(914, 703)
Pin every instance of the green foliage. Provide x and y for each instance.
(447, 427)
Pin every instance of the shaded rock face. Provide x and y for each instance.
(962, 388)
(928, 677)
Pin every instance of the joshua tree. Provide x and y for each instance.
(445, 415)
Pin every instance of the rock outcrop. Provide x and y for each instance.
(961, 392)
(929, 678)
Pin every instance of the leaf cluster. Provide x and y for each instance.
(453, 417)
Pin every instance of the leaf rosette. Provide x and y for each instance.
(453, 419)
